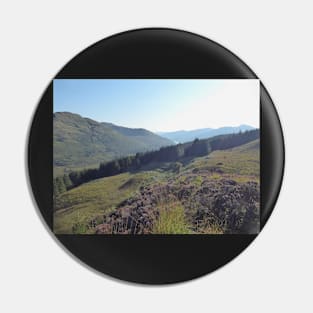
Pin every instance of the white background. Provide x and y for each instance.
(274, 38)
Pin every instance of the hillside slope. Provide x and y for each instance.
(81, 142)
(217, 193)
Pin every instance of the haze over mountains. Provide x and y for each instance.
(182, 136)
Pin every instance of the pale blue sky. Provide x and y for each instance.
(161, 104)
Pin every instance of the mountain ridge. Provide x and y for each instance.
(82, 142)
(182, 136)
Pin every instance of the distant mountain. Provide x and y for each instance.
(183, 136)
(80, 142)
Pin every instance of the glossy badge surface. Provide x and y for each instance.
(155, 156)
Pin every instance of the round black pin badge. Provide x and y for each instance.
(155, 156)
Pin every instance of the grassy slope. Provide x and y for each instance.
(241, 163)
(92, 199)
(95, 198)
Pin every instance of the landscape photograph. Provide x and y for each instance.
(156, 156)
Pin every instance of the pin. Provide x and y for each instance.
(155, 156)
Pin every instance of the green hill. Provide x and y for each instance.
(213, 194)
(83, 143)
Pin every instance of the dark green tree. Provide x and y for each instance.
(55, 188)
(60, 185)
(67, 181)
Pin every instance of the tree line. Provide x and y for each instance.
(196, 148)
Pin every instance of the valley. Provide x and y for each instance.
(215, 190)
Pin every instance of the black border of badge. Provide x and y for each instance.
(155, 53)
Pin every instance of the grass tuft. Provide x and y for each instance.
(171, 221)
